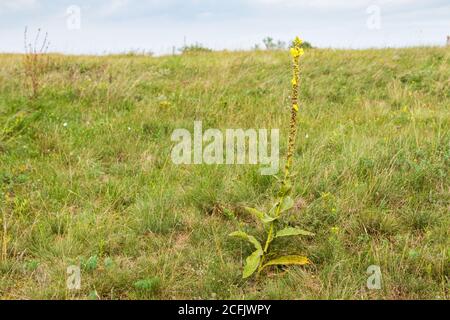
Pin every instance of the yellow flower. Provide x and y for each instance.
(296, 52)
(335, 230)
(295, 106)
(293, 52)
(164, 104)
(294, 82)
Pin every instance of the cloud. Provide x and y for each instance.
(332, 4)
(158, 25)
(17, 5)
(113, 7)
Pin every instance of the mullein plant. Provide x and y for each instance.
(263, 257)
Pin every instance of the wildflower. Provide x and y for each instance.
(256, 262)
(335, 230)
(164, 104)
(296, 51)
(324, 194)
(65, 124)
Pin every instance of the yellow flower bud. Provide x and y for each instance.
(298, 42)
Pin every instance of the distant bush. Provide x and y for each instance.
(137, 52)
(194, 48)
(306, 45)
(271, 44)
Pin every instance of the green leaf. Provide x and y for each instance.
(255, 212)
(290, 231)
(287, 204)
(286, 188)
(229, 214)
(273, 210)
(288, 260)
(263, 217)
(252, 263)
(251, 239)
(268, 219)
(239, 234)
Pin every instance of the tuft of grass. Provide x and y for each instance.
(148, 286)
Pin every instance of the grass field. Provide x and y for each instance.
(87, 179)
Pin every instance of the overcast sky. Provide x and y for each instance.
(107, 26)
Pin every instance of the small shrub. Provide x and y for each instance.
(270, 44)
(194, 48)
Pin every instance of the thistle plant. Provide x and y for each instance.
(263, 256)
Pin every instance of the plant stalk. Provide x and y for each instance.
(296, 52)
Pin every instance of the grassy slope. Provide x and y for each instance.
(372, 175)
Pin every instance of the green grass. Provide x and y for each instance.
(372, 165)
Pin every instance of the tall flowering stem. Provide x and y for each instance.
(262, 257)
(296, 52)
